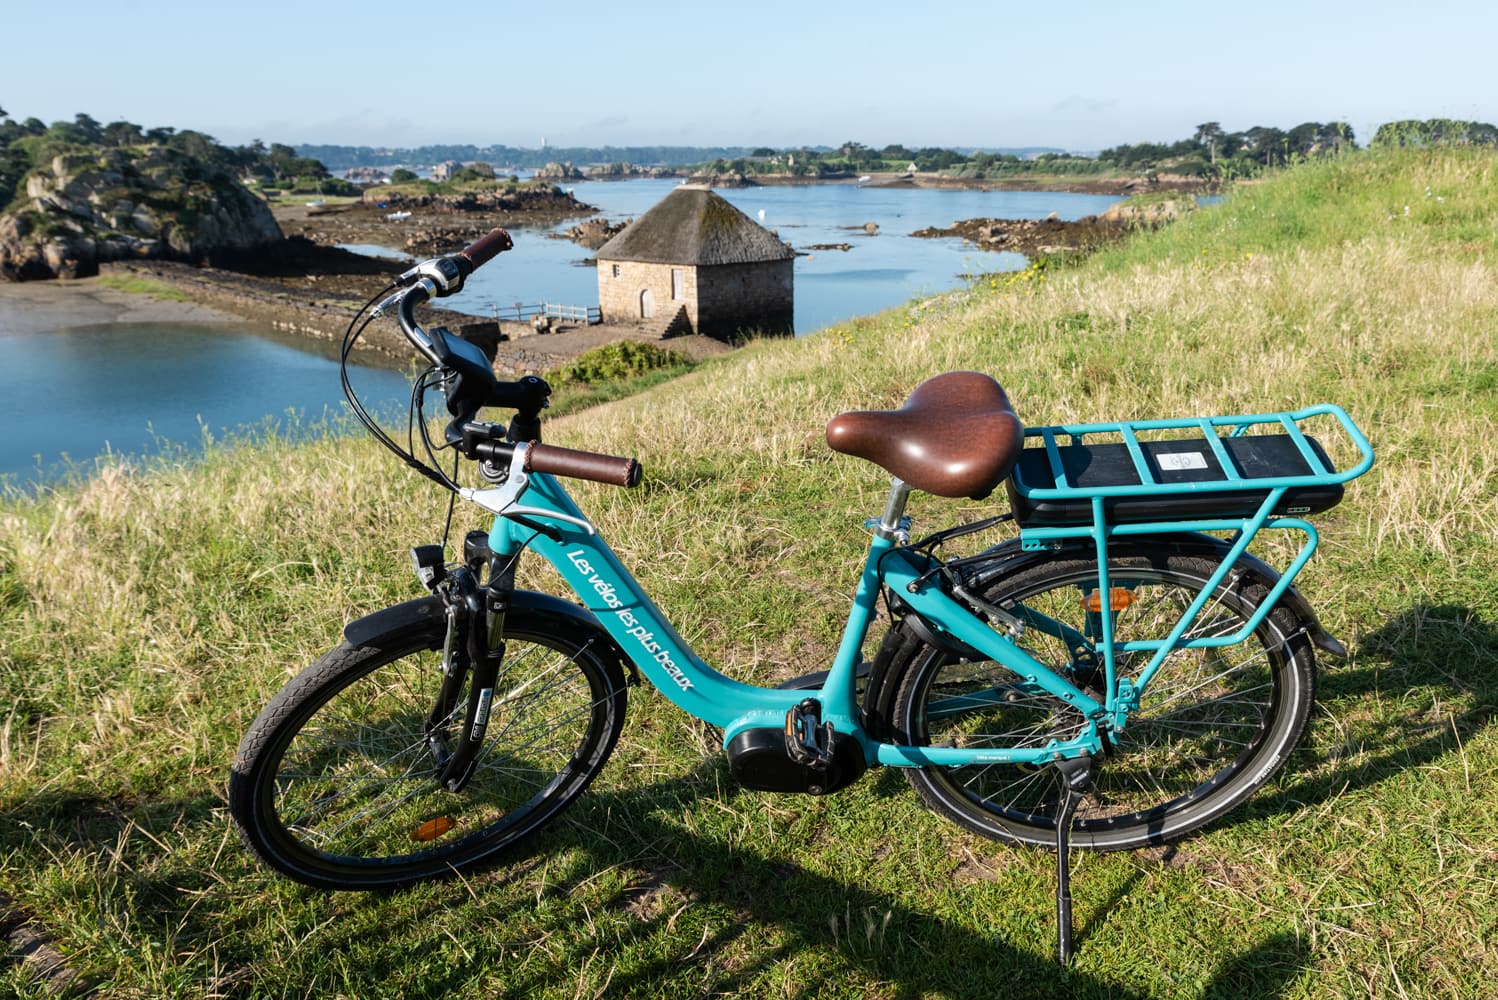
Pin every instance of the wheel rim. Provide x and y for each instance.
(1205, 715)
(355, 785)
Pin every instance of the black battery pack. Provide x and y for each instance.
(1180, 468)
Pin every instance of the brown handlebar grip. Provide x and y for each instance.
(484, 249)
(588, 465)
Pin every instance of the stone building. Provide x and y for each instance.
(696, 264)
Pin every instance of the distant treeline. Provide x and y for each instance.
(347, 157)
(1436, 132)
(1211, 152)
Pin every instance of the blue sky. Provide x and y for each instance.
(1075, 74)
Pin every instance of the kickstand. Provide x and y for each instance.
(1073, 778)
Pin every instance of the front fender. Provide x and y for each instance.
(427, 614)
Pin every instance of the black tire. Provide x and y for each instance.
(334, 778)
(1214, 725)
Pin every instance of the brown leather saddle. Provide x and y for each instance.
(956, 436)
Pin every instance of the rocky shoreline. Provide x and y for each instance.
(422, 228)
(1033, 237)
(1064, 183)
(305, 284)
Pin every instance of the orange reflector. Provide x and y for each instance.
(433, 828)
(1118, 599)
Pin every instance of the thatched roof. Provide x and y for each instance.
(693, 225)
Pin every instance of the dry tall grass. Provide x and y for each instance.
(147, 615)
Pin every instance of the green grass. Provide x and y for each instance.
(143, 286)
(147, 616)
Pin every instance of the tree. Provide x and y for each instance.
(400, 175)
(90, 129)
(1435, 132)
(933, 158)
(1336, 135)
(123, 133)
(473, 172)
(1302, 138)
(1265, 144)
(1209, 134)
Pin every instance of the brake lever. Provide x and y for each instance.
(441, 276)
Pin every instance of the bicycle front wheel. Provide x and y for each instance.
(335, 784)
(1213, 725)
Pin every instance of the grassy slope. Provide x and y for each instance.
(147, 617)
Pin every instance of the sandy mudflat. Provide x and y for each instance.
(42, 306)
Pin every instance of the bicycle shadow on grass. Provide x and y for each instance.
(1444, 653)
(690, 915)
(70, 833)
(756, 917)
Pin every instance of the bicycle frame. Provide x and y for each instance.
(607, 589)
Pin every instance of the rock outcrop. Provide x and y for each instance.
(533, 198)
(1150, 212)
(594, 233)
(559, 172)
(1033, 237)
(129, 203)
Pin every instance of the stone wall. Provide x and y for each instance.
(619, 296)
(744, 297)
(719, 301)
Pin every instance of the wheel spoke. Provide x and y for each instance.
(344, 789)
(1205, 733)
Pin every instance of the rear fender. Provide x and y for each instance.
(1008, 558)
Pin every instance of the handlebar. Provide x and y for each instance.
(473, 385)
(484, 249)
(438, 278)
(611, 470)
(592, 466)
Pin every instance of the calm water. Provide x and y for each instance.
(878, 271)
(141, 389)
(72, 395)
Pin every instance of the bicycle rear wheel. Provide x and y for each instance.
(1213, 725)
(335, 784)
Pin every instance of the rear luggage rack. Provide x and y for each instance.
(1143, 480)
(1166, 479)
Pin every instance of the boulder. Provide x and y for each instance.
(1150, 212)
(123, 204)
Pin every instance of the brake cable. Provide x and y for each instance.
(350, 337)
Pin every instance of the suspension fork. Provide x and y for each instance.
(473, 650)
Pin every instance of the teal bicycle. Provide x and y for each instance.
(1121, 672)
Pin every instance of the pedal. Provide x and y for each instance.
(808, 740)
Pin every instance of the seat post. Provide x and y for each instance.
(894, 509)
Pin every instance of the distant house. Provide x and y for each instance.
(696, 264)
(445, 169)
